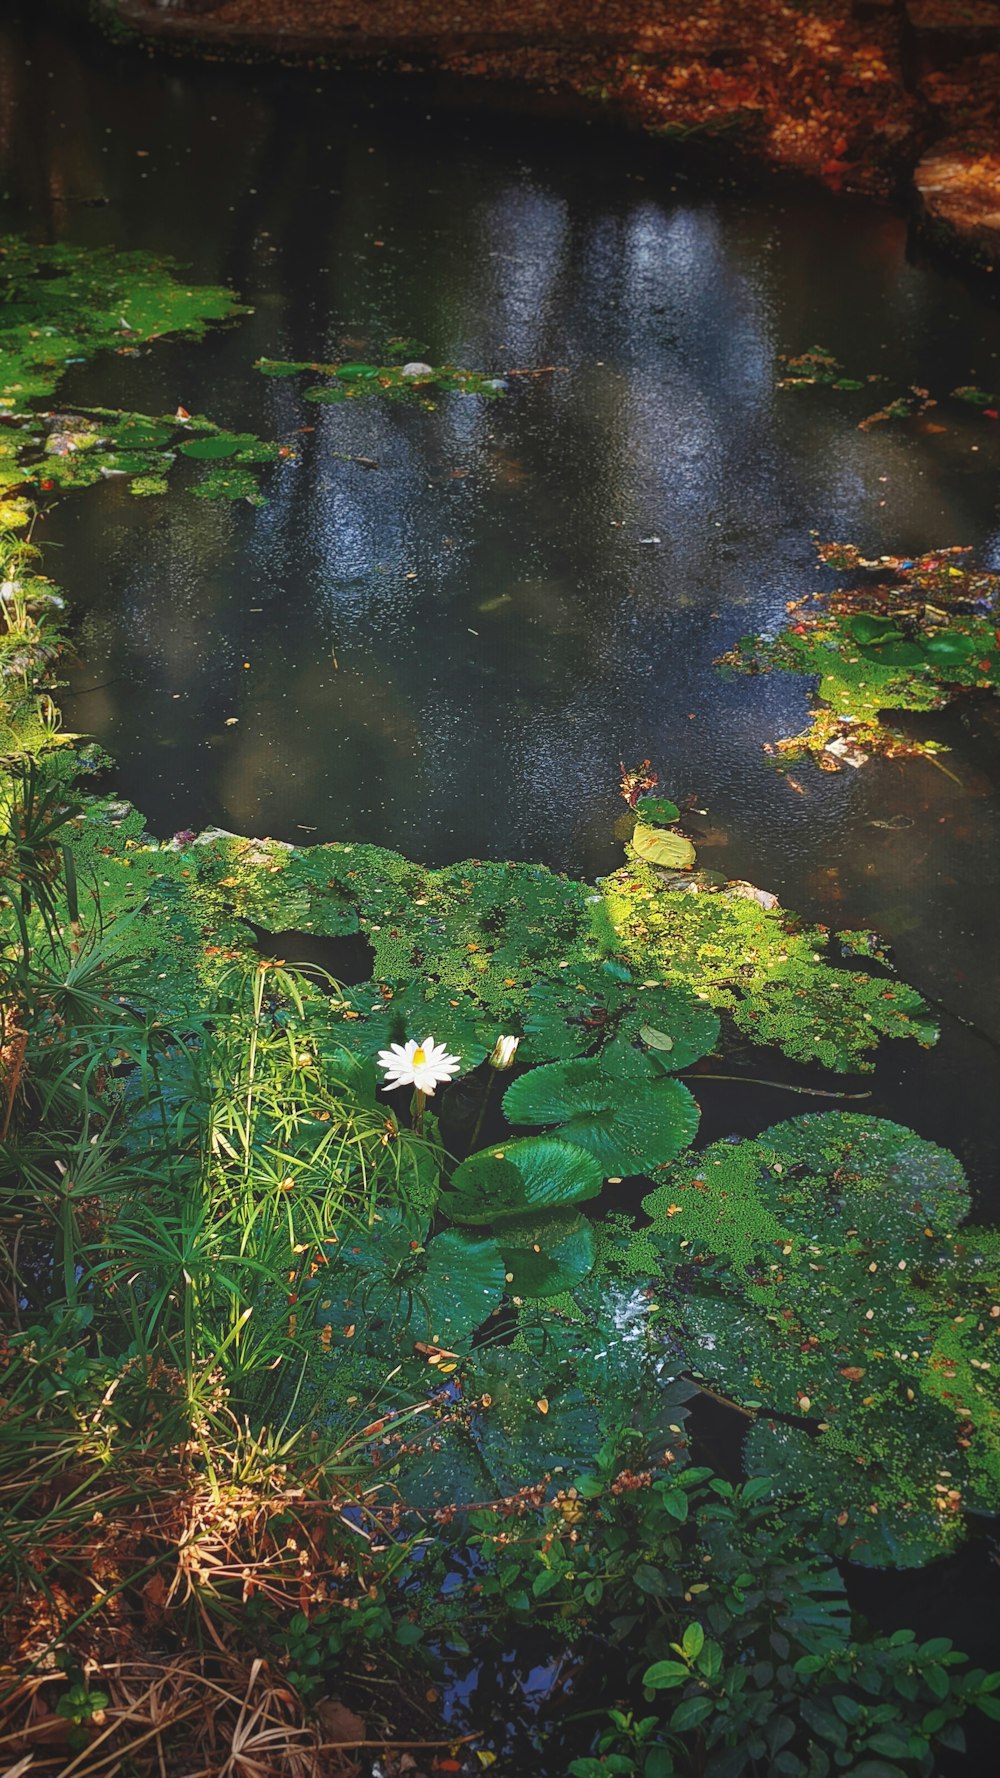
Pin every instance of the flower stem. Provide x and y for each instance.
(417, 1111)
(474, 1138)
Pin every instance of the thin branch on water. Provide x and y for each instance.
(753, 1080)
(723, 1400)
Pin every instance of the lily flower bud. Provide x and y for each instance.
(504, 1051)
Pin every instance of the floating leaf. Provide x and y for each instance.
(546, 1254)
(211, 446)
(520, 1442)
(672, 1022)
(386, 1285)
(831, 1285)
(628, 1126)
(658, 810)
(866, 628)
(230, 483)
(535, 1173)
(656, 846)
(898, 654)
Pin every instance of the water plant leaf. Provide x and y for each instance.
(394, 380)
(911, 638)
(367, 1021)
(228, 483)
(547, 1253)
(386, 1285)
(64, 303)
(536, 1173)
(520, 1440)
(656, 810)
(866, 627)
(878, 1496)
(832, 1284)
(573, 1014)
(656, 846)
(770, 973)
(673, 1024)
(219, 444)
(628, 1126)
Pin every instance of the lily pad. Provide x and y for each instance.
(657, 809)
(217, 444)
(658, 846)
(536, 1173)
(387, 1285)
(538, 1420)
(672, 1024)
(628, 1126)
(897, 654)
(952, 647)
(547, 1254)
(867, 628)
(879, 1504)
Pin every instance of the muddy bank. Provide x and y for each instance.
(885, 97)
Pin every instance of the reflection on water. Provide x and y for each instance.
(452, 651)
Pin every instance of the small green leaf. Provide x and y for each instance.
(663, 1676)
(690, 1712)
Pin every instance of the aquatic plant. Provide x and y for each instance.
(212, 1221)
(759, 965)
(64, 304)
(916, 634)
(823, 1280)
(76, 450)
(817, 367)
(414, 381)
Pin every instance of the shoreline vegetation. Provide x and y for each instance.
(892, 98)
(315, 1393)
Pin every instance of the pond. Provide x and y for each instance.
(445, 630)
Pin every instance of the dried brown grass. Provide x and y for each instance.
(211, 1715)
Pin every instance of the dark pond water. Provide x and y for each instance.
(523, 593)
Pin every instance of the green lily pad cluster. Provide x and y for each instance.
(62, 305)
(67, 451)
(636, 964)
(822, 1277)
(915, 635)
(416, 381)
(761, 966)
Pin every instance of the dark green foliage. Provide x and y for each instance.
(819, 1270)
(629, 1126)
(759, 964)
(386, 1286)
(67, 451)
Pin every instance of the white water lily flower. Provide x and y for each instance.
(421, 1065)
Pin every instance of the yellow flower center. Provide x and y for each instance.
(418, 1058)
